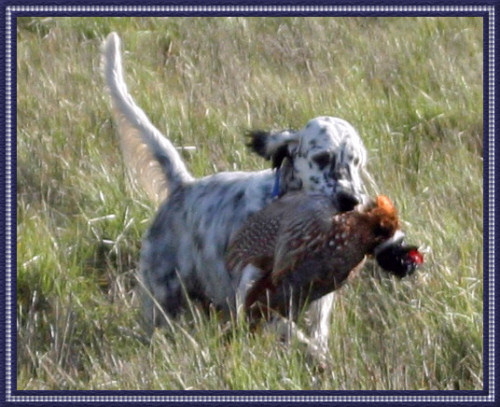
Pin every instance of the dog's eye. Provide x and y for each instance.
(322, 159)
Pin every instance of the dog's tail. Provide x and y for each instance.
(148, 154)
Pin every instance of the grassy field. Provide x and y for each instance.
(411, 86)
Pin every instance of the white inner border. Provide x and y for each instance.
(10, 353)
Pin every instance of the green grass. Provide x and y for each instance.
(412, 87)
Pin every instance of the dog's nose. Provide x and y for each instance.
(347, 201)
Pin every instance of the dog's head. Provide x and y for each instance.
(326, 157)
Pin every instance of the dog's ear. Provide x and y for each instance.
(280, 154)
(274, 146)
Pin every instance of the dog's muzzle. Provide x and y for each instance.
(345, 196)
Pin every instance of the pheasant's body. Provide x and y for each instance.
(305, 249)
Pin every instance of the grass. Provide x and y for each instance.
(412, 87)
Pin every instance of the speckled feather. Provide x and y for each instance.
(257, 240)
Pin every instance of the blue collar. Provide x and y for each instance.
(276, 187)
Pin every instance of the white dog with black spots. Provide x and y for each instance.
(183, 250)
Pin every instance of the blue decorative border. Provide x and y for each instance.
(7, 150)
(252, 9)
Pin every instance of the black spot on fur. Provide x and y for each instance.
(322, 159)
(157, 228)
(238, 197)
(165, 279)
(314, 179)
(198, 241)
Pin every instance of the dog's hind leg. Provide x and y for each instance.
(162, 297)
(162, 292)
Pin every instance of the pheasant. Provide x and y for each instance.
(305, 249)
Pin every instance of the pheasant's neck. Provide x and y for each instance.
(358, 229)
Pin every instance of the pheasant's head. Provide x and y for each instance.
(392, 255)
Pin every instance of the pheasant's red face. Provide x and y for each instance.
(415, 257)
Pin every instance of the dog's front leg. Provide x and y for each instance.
(319, 320)
(287, 330)
(249, 275)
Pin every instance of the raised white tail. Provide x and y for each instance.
(148, 154)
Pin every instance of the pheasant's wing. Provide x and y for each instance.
(300, 235)
(256, 238)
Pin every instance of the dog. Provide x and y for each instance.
(182, 253)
